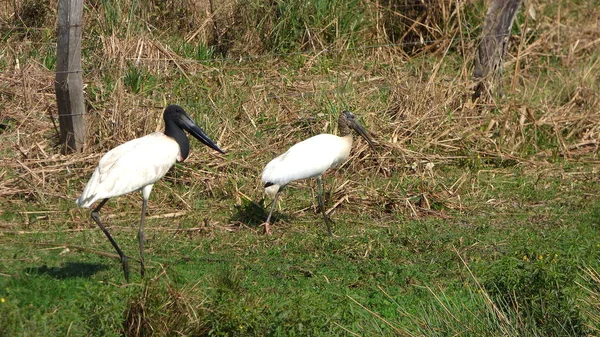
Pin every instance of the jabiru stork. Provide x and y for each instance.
(136, 165)
(311, 158)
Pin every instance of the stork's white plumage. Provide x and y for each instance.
(311, 158)
(130, 167)
(138, 164)
(303, 161)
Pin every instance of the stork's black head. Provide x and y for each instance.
(349, 121)
(176, 119)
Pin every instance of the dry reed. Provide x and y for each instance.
(421, 119)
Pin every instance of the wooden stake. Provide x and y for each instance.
(69, 76)
(492, 47)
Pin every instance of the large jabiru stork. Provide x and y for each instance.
(311, 158)
(136, 165)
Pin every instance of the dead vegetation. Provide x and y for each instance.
(162, 310)
(417, 106)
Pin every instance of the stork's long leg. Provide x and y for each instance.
(142, 236)
(322, 206)
(123, 257)
(267, 230)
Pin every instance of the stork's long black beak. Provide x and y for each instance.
(190, 126)
(363, 132)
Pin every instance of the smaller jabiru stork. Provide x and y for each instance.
(311, 158)
(136, 165)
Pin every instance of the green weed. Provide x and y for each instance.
(138, 81)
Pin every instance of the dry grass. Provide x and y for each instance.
(418, 114)
(162, 310)
(591, 304)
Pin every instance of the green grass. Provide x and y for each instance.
(300, 282)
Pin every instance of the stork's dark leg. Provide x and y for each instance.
(322, 206)
(96, 218)
(267, 229)
(142, 236)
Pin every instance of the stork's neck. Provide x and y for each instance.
(343, 127)
(345, 131)
(174, 131)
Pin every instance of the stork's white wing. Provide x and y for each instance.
(309, 158)
(130, 166)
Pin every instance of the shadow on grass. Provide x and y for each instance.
(253, 214)
(68, 270)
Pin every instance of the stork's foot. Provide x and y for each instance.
(328, 224)
(267, 229)
(332, 235)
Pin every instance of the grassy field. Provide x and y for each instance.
(471, 218)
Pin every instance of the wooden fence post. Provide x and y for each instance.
(492, 47)
(69, 76)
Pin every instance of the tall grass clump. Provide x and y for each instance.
(316, 25)
(540, 293)
(449, 312)
(161, 308)
(244, 27)
(418, 26)
(281, 26)
(536, 305)
(591, 302)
